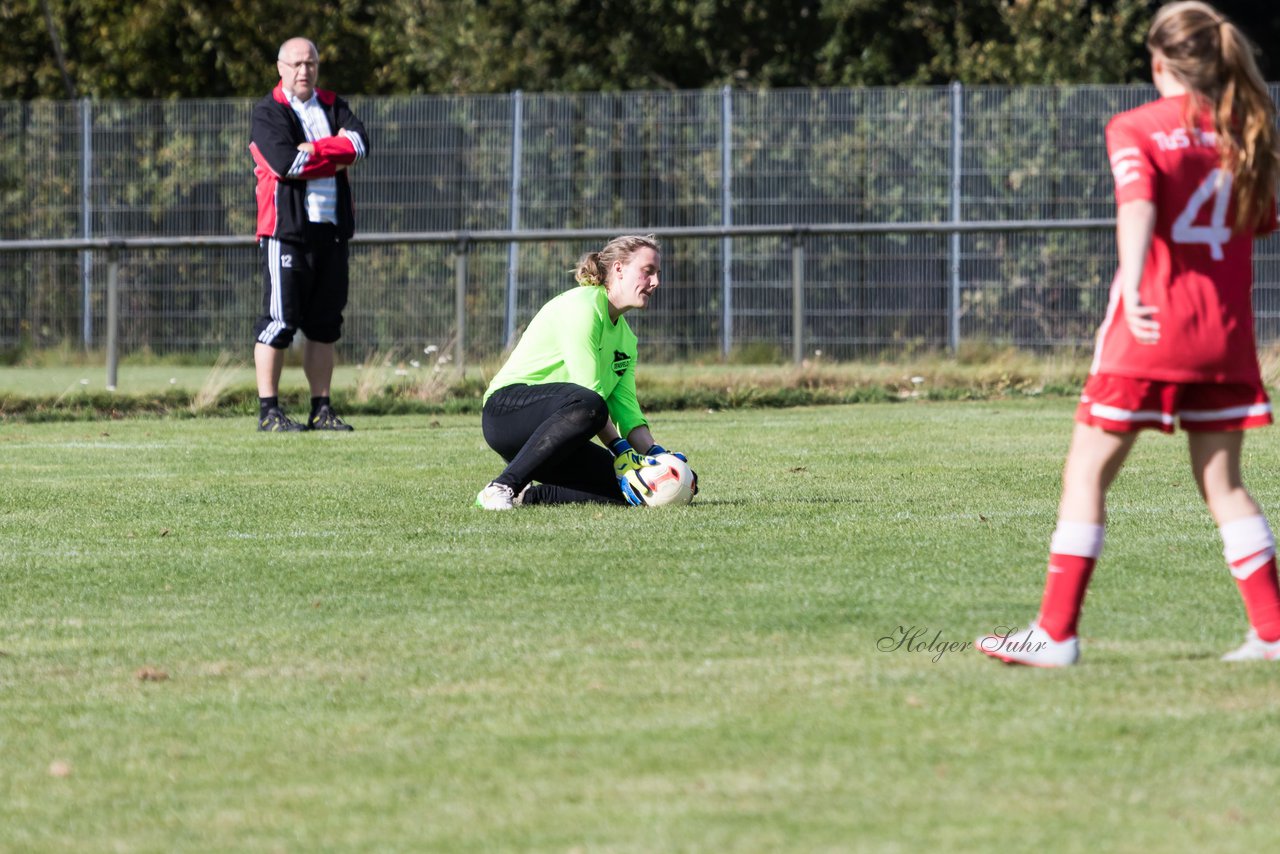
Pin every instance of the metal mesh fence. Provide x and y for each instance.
(622, 161)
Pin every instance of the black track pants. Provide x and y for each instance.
(544, 433)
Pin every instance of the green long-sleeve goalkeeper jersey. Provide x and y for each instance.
(572, 340)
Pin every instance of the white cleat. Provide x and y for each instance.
(496, 496)
(1254, 648)
(1031, 646)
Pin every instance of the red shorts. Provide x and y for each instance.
(1126, 405)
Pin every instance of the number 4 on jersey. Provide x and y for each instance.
(1216, 186)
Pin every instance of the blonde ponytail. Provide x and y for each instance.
(1214, 59)
(590, 271)
(1245, 122)
(593, 268)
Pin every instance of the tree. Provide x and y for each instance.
(174, 48)
(219, 48)
(583, 45)
(1007, 42)
(1032, 41)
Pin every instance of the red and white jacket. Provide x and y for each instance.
(283, 171)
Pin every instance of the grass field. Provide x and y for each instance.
(214, 640)
(75, 388)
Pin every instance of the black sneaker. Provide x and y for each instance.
(275, 421)
(325, 418)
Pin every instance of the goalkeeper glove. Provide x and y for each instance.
(654, 450)
(626, 459)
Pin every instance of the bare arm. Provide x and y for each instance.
(1135, 223)
(640, 438)
(608, 434)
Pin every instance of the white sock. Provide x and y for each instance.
(1247, 544)
(1081, 539)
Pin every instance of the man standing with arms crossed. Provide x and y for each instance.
(302, 140)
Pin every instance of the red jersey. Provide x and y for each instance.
(1197, 273)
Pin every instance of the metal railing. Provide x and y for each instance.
(914, 218)
(462, 241)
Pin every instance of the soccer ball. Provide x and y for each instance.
(668, 482)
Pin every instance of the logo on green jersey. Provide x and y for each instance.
(621, 361)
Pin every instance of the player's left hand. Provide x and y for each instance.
(654, 450)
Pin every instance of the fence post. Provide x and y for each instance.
(797, 297)
(460, 305)
(957, 163)
(86, 220)
(113, 318)
(513, 248)
(726, 218)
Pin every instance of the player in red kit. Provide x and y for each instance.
(1195, 177)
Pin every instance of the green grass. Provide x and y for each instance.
(977, 368)
(388, 384)
(357, 660)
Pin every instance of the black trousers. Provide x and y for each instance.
(304, 286)
(544, 433)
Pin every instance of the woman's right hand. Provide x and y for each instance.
(1141, 322)
(1135, 225)
(626, 459)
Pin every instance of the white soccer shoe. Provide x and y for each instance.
(1254, 648)
(496, 496)
(1031, 646)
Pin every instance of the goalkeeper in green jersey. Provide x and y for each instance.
(572, 378)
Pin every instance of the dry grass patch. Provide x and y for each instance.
(221, 377)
